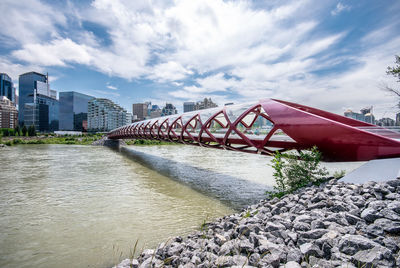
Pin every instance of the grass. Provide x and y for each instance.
(78, 140)
(148, 142)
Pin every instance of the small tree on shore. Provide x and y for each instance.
(24, 131)
(17, 130)
(31, 131)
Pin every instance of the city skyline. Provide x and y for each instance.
(331, 55)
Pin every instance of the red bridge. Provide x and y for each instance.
(268, 126)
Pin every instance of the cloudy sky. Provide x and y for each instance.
(327, 54)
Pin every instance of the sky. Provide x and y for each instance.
(326, 54)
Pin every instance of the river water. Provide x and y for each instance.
(86, 206)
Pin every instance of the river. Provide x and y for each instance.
(86, 206)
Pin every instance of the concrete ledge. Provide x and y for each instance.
(375, 170)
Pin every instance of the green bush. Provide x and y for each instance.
(295, 170)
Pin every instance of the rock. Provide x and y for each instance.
(352, 219)
(239, 260)
(314, 234)
(388, 225)
(310, 249)
(246, 247)
(254, 259)
(224, 261)
(350, 244)
(370, 214)
(301, 226)
(293, 236)
(394, 183)
(272, 259)
(228, 248)
(292, 264)
(375, 257)
(174, 249)
(373, 230)
(219, 239)
(294, 255)
(274, 227)
(395, 206)
(317, 262)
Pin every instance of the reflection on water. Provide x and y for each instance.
(81, 206)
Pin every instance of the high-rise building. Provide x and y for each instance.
(140, 110)
(205, 104)
(386, 122)
(168, 109)
(188, 106)
(38, 104)
(74, 110)
(365, 115)
(104, 115)
(7, 88)
(8, 113)
(155, 111)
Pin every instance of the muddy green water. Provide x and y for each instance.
(84, 206)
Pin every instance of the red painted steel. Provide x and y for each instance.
(268, 126)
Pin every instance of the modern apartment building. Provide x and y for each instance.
(8, 113)
(74, 111)
(38, 104)
(104, 115)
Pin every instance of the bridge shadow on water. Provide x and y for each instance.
(232, 191)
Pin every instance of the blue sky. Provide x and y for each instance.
(327, 54)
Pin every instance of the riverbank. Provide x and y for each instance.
(335, 224)
(76, 140)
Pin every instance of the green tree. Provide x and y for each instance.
(24, 130)
(17, 130)
(31, 131)
(395, 71)
(6, 133)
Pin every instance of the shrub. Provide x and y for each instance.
(295, 170)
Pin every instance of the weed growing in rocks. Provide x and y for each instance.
(296, 170)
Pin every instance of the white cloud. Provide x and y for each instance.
(26, 21)
(56, 53)
(109, 86)
(340, 8)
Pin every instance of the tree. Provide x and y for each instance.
(31, 131)
(17, 130)
(395, 71)
(24, 130)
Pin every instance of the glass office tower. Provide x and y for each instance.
(7, 88)
(38, 104)
(74, 110)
